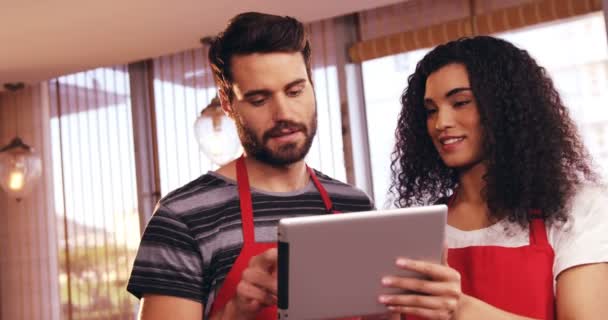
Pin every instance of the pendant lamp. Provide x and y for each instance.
(217, 135)
(20, 165)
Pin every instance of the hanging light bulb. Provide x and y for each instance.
(217, 135)
(20, 168)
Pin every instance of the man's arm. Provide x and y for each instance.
(157, 307)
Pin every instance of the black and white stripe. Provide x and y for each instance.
(195, 234)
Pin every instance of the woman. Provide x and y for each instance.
(483, 130)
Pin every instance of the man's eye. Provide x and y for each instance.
(294, 93)
(257, 103)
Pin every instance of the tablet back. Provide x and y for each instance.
(331, 266)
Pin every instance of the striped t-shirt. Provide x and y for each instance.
(195, 234)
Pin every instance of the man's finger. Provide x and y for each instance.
(260, 278)
(267, 259)
(251, 294)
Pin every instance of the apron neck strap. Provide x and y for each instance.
(538, 232)
(244, 189)
(329, 207)
(245, 200)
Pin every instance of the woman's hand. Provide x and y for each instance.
(439, 297)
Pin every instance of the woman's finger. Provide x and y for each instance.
(433, 288)
(420, 301)
(433, 270)
(422, 312)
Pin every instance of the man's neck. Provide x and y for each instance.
(269, 177)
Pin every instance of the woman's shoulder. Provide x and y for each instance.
(582, 237)
(589, 201)
(591, 191)
(587, 205)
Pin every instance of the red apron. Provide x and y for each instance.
(517, 280)
(250, 247)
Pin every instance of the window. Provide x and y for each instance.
(183, 86)
(384, 80)
(581, 77)
(579, 71)
(95, 188)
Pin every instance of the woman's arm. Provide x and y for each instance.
(473, 309)
(438, 298)
(582, 292)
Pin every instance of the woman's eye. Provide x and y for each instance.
(461, 103)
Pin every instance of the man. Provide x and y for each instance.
(208, 250)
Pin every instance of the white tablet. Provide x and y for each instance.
(331, 266)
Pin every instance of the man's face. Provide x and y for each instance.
(273, 106)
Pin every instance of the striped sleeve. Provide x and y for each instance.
(168, 260)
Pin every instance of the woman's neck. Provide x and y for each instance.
(469, 209)
(471, 184)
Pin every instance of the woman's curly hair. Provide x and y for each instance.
(535, 157)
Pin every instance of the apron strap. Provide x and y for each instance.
(245, 200)
(329, 207)
(538, 231)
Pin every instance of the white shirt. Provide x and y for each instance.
(582, 239)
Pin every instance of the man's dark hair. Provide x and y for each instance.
(254, 32)
(535, 157)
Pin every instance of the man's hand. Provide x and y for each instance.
(257, 289)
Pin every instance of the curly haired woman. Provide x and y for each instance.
(483, 130)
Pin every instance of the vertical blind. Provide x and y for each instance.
(327, 152)
(96, 200)
(183, 86)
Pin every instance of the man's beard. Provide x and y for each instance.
(285, 154)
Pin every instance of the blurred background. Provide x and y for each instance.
(112, 91)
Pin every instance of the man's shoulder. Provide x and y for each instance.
(337, 188)
(207, 191)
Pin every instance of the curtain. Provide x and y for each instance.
(384, 34)
(28, 240)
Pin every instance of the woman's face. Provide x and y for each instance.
(453, 121)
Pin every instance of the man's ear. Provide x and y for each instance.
(225, 102)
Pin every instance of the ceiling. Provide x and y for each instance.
(42, 39)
